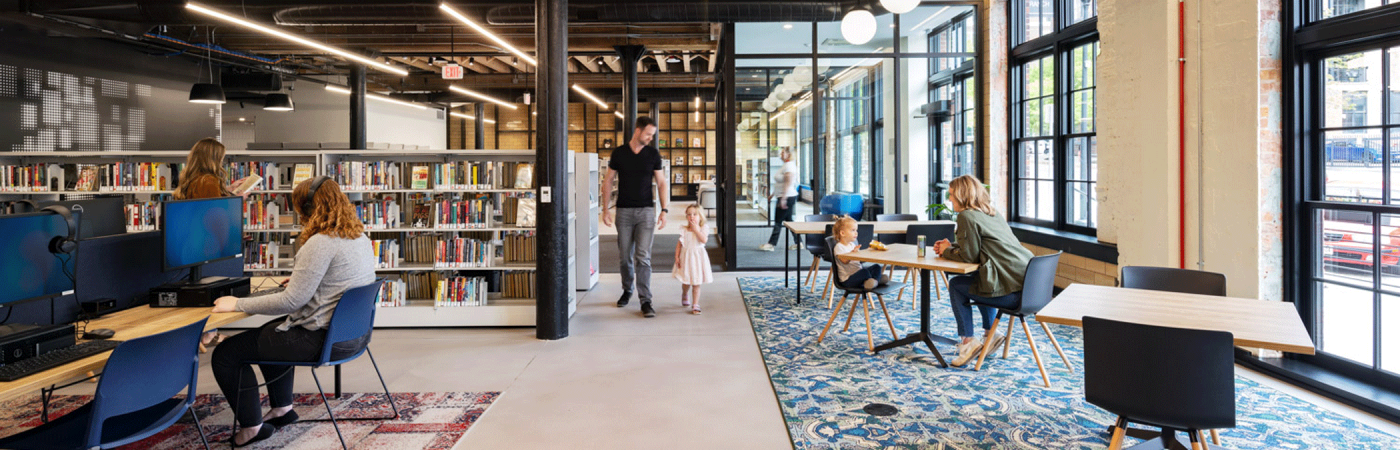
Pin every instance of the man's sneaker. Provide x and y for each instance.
(647, 311)
(765, 248)
(968, 351)
(626, 295)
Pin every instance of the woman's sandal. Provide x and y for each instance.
(685, 302)
(695, 310)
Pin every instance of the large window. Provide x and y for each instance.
(1054, 145)
(953, 121)
(1344, 214)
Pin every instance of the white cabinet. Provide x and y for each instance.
(586, 228)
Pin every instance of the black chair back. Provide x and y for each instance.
(1170, 279)
(931, 233)
(1039, 286)
(891, 238)
(815, 243)
(865, 232)
(1167, 377)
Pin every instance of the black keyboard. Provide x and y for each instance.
(27, 367)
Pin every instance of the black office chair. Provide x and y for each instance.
(890, 238)
(816, 245)
(1036, 292)
(1171, 279)
(1136, 372)
(862, 298)
(931, 233)
(1174, 280)
(864, 233)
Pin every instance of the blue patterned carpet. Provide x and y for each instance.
(823, 388)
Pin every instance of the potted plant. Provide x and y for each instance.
(939, 211)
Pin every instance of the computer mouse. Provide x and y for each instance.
(99, 333)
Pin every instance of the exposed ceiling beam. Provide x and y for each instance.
(685, 62)
(587, 63)
(614, 63)
(496, 64)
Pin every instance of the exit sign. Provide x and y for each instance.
(452, 72)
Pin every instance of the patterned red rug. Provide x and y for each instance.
(428, 420)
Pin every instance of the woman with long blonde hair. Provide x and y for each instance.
(985, 239)
(335, 256)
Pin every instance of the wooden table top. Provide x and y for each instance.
(1255, 323)
(129, 324)
(905, 255)
(897, 226)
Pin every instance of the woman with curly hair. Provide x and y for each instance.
(335, 256)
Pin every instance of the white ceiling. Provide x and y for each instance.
(771, 37)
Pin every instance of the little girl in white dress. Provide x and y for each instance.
(692, 262)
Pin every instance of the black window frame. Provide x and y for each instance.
(956, 78)
(1057, 44)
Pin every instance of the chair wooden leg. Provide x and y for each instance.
(893, 334)
(936, 292)
(869, 333)
(1215, 436)
(1056, 343)
(811, 281)
(834, 313)
(985, 348)
(827, 293)
(899, 297)
(1036, 353)
(1006, 348)
(1195, 437)
(851, 315)
(1116, 441)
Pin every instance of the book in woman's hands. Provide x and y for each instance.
(248, 184)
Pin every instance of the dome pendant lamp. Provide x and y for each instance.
(208, 93)
(278, 102)
(899, 6)
(858, 27)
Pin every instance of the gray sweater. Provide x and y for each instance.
(325, 268)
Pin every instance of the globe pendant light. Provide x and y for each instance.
(858, 27)
(278, 102)
(899, 6)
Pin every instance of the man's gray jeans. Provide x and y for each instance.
(635, 229)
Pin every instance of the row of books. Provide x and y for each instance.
(461, 291)
(366, 175)
(480, 175)
(463, 214)
(142, 216)
(274, 175)
(26, 178)
(132, 176)
(386, 253)
(379, 214)
(420, 248)
(518, 285)
(260, 255)
(460, 253)
(393, 293)
(262, 212)
(421, 285)
(519, 247)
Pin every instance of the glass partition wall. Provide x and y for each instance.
(880, 124)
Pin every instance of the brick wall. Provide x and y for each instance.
(1078, 269)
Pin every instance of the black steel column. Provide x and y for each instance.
(357, 107)
(629, 54)
(819, 181)
(900, 180)
(728, 154)
(551, 170)
(480, 126)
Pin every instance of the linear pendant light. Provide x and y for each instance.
(300, 40)
(590, 96)
(487, 33)
(471, 117)
(342, 90)
(482, 96)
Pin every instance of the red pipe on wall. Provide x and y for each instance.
(1181, 121)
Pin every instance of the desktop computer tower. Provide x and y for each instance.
(181, 295)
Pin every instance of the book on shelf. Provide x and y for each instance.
(422, 285)
(461, 291)
(365, 175)
(678, 178)
(260, 255)
(393, 293)
(483, 175)
(386, 253)
(697, 142)
(87, 178)
(262, 212)
(26, 178)
(518, 284)
(303, 172)
(679, 160)
(680, 142)
(697, 160)
(420, 177)
(525, 176)
(519, 247)
(269, 171)
(695, 178)
(420, 249)
(525, 212)
(142, 216)
(462, 253)
(463, 214)
(249, 183)
(378, 214)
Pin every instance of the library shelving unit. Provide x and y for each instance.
(762, 179)
(586, 203)
(406, 197)
(685, 136)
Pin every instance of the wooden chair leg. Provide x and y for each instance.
(812, 282)
(1036, 353)
(834, 312)
(827, 293)
(906, 284)
(1116, 441)
(1195, 437)
(1056, 343)
(851, 315)
(1215, 436)
(985, 348)
(1006, 348)
(869, 332)
(934, 283)
(893, 334)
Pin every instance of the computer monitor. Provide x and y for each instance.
(194, 232)
(28, 270)
(97, 217)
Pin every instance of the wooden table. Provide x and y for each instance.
(1255, 323)
(905, 255)
(806, 228)
(129, 324)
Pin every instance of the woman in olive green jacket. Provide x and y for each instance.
(984, 239)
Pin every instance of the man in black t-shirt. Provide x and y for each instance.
(636, 165)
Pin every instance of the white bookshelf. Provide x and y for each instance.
(586, 232)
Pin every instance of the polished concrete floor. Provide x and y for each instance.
(617, 382)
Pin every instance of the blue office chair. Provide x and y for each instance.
(141, 401)
(353, 318)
